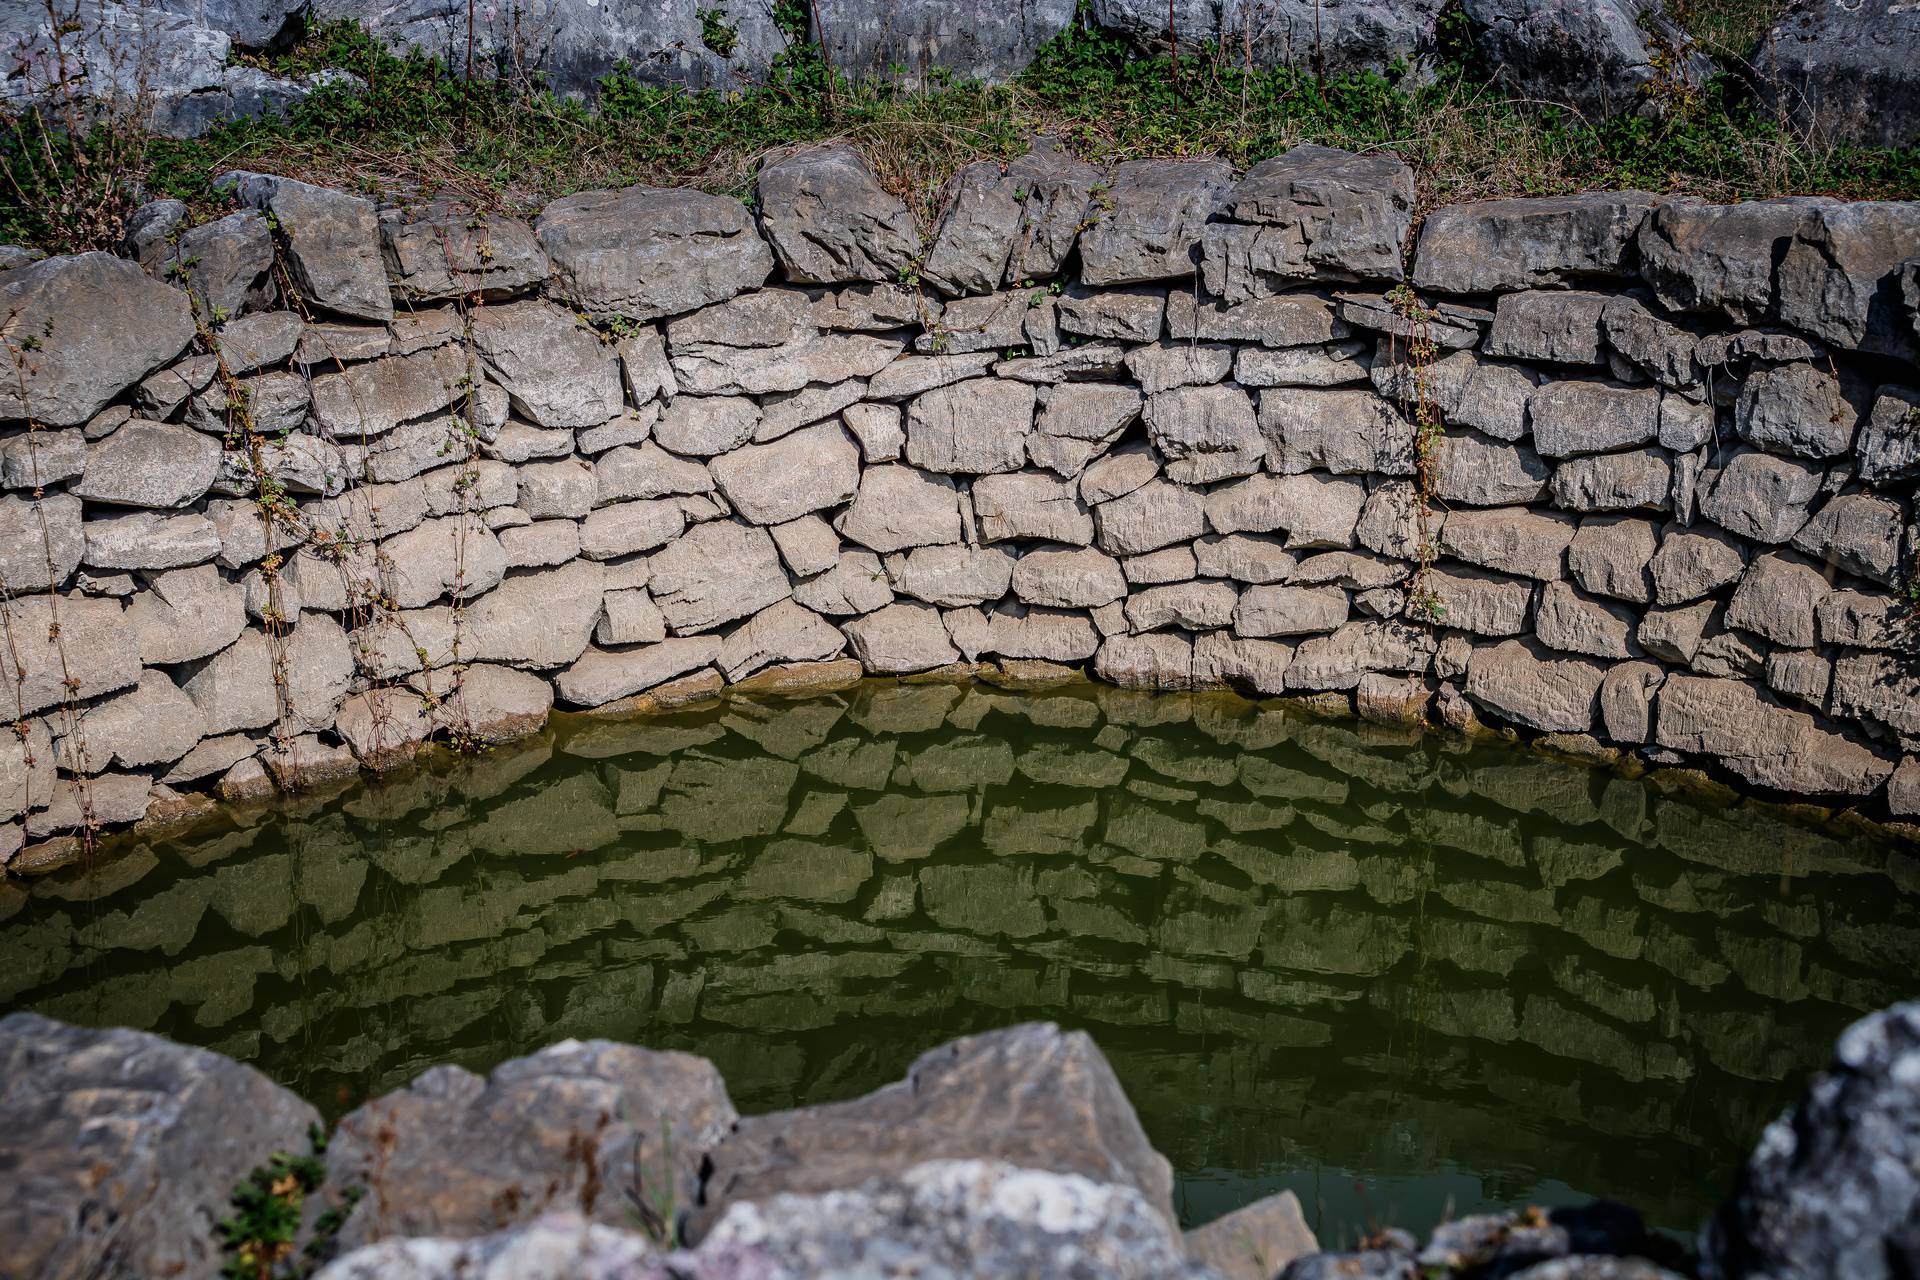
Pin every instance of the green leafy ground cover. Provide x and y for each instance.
(413, 128)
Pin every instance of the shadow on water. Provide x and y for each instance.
(1396, 974)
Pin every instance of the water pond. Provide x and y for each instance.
(1396, 974)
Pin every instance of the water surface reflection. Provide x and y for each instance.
(1390, 972)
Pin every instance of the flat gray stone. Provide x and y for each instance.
(1347, 432)
(643, 252)
(714, 573)
(102, 325)
(900, 638)
(1612, 556)
(331, 242)
(1312, 212)
(556, 371)
(1147, 225)
(1840, 280)
(1857, 533)
(899, 507)
(444, 249)
(1889, 447)
(971, 428)
(952, 576)
(1639, 480)
(1796, 409)
(1493, 246)
(1708, 257)
(829, 221)
(1762, 497)
(1766, 744)
(42, 541)
(1155, 515)
(1521, 682)
(1556, 326)
(1516, 540)
(811, 469)
(1572, 417)
(1476, 471)
(1778, 598)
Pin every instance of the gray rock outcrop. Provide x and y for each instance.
(124, 1149)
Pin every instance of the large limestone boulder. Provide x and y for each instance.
(986, 40)
(181, 80)
(643, 252)
(1030, 1095)
(1840, 279)
(581, 41)
(456, 1154)
(1718, 257)
(123, 1149)
(830, 221)
(84, 329)
(1845, 70)
(1613, 57)
(1831, 1187)
(1766, 744)
(1381, 36)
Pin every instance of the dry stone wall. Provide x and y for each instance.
(300, 488)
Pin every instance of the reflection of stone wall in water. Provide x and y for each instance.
(1455, 942)
(600, 457)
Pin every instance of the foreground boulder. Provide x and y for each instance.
(605, 1130)
(940, 1219)
(1833, 1189)
(1030, 1095)
(122, 1150)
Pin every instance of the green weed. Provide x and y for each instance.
(411, 127)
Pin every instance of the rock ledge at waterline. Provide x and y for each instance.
(1156, 423)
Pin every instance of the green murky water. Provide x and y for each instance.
(1394, 974)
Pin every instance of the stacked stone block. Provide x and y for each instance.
(1157, 423)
